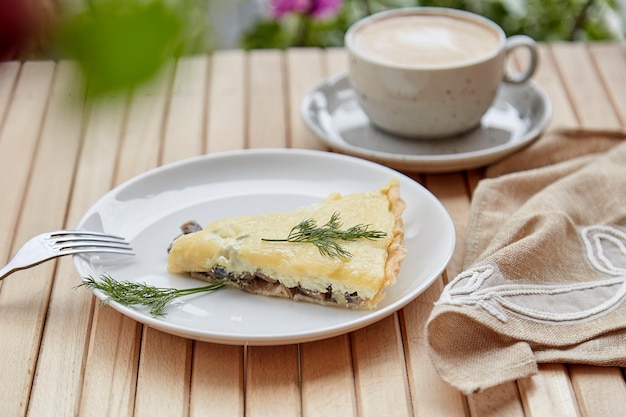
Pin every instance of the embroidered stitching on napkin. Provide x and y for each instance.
(543, 302)
(544, 275)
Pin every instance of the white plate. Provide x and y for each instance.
(518, 116)
(149, 209)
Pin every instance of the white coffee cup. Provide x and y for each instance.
(430, 72)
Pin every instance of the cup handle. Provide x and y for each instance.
(521, 41)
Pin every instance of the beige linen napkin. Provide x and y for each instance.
(544, 275)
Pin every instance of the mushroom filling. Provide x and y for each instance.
(258, 282)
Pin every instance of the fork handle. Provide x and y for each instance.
(10, 268)
(5, 271)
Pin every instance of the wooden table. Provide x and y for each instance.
(63, 355)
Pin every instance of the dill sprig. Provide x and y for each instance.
(133, 294)
(325, 237)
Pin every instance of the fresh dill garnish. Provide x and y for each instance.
(325, 237)
(133, 294)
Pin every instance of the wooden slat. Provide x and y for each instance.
(24, 295)
(473, 178)
(430, 395)
(143, 129)
(305, 69)
(499, 401)
(60, 352)
(549, 393)
(111, 366)
(217, 380)
(328, 378)
(380, 370)
(450, 189)
(185, 124)
(164, 373)
(610, 61)
(19, 136)
(266, 113)
(8, 75)
(336, 61)
(111, 362)
(272, 382)
(586, 91)
(549, 79)
(226, 110)
(600, 391)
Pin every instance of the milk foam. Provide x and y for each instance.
(425, 40)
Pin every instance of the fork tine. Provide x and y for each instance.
(62, 233)
(95, 238)
(86, 244)
(72, 241)
(97, 249)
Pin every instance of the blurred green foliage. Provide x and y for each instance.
(543, 20)
(121, 44)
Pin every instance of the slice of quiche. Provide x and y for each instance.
(253, 253)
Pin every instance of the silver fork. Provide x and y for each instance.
(50, 245)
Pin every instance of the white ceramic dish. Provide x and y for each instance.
(149, 209)
(518, 116)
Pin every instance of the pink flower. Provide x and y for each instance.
(314, 8)
(282, 7)
(321, 8)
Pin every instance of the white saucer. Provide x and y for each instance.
(518, 116)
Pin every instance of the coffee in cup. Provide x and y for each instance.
(429, 72)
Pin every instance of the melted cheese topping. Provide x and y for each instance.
(236, 244)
